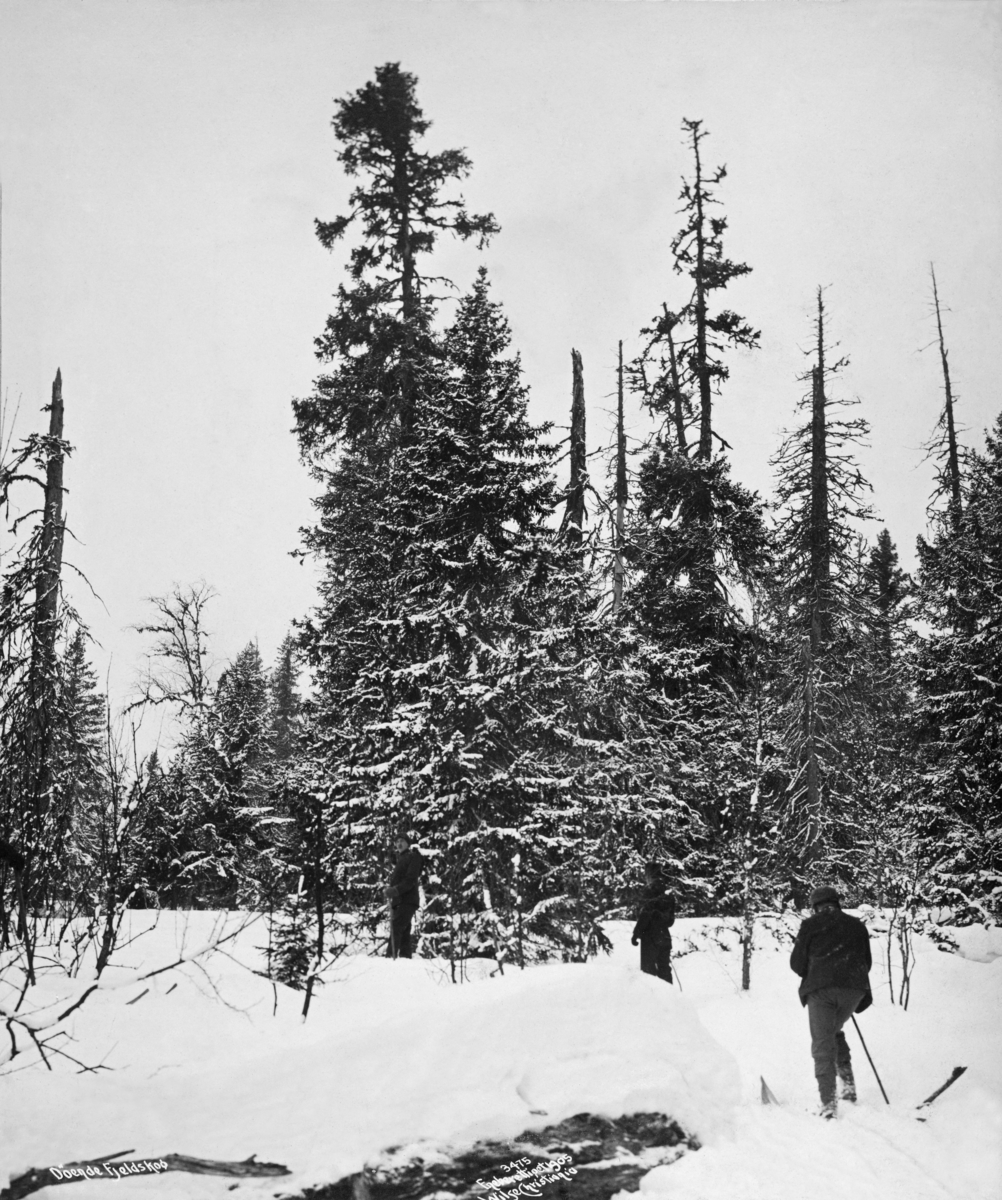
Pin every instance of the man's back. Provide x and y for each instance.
(832, 950)
(656, 915)
(403, 882)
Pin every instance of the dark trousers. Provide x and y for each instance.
(828, 1009)
(655, 958)
(400, 932)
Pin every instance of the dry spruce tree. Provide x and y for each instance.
(820, 612)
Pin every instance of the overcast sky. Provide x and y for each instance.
(162, 164)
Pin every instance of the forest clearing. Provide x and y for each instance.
(553, 552)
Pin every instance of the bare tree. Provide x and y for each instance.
(621, 491)
(178, 671)
(944, 446)
(574, 512)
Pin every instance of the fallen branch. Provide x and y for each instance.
(40, 1177)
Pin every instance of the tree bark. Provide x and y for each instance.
(820, 548)
(677, 410)
(45, 626)
(574, 513)
(621, 493)
(705, 450)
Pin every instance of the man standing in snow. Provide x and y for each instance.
(832, 957)
(403, 895)
(654, 920)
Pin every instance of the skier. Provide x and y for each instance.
(832, 957)
(655, 918)
(402, 893)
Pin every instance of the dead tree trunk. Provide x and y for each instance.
(46, 617)
(820, 559)
(574, 513)
(820, 566)
(705, 450)
(678, 410)
(619, 569)
(947, 420)
(819, 591)
(319, 848)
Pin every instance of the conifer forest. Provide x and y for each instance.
(550, 655)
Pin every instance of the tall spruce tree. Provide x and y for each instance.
(465, 685)
(699, 253)
(820, 613)
(382, 356)
(443, 718)
(959, 676)
(698, 546)
(696, 531)
(377, 340)
(888, 685)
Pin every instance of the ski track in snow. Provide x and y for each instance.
(394, 1055)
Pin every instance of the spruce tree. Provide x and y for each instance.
(888, 589)
(699, 253)
(379, 337)
(820, 613)
(959, 670)
(888, 686)
(79, 753)
(698, 546)
(696, 532)
(465, 685)
(436, 708)
(230, 763)
(285, 701)
(207, 817)
(381, 353)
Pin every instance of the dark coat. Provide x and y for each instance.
(403, 882)
(656, 916)
(833, 950)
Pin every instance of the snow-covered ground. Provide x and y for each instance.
(214, 1061)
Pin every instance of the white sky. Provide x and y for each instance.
(162, 164)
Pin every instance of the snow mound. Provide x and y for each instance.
(979, 943)
(389, 1057)
(215, 1061)
(488, 1059)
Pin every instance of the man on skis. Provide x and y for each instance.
(654, 920)
(403, 895)
(832, 957)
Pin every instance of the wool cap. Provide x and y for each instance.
(824, 895)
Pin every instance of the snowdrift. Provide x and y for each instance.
(214, 1061)
(391, 1054)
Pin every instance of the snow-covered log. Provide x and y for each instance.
(95, 1168)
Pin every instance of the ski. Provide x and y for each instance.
(767, 1094)
(957, 1072)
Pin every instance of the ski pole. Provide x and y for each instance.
(870, 1061)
